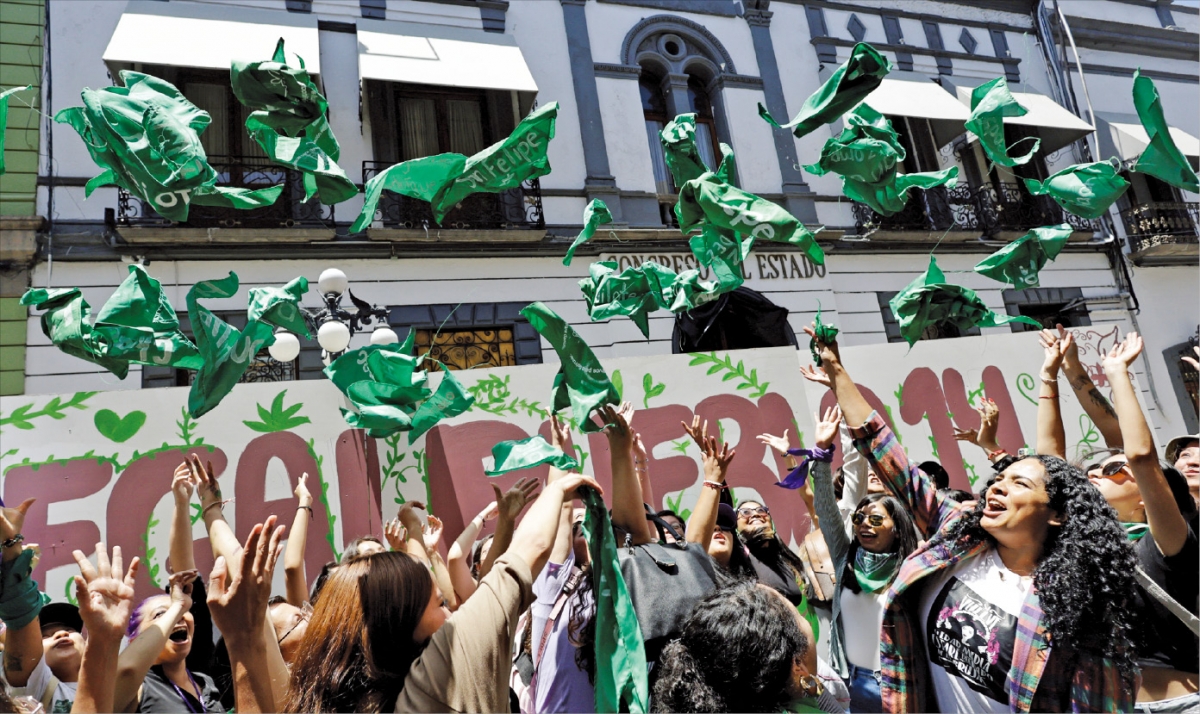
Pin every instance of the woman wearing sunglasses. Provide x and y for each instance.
(883, 535)
(1021, 604)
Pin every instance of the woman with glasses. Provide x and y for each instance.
(867, 564)
(1022, 604)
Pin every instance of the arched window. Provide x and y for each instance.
(706, 123)
(654, 110)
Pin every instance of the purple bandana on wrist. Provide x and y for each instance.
(799, 475)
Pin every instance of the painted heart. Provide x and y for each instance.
(117, 428)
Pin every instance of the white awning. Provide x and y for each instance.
(910, 94)
(441, 56)
(207, 36)
(1054, 125)
(1122, 135)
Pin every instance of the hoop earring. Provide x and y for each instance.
(811, 685)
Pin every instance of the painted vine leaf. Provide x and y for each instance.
(650, 389)
(22, 417)
(733, 372)
(278, 418)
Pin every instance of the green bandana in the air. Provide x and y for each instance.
(510, 456)
(849, 85)
(289, 123)
(867, 150)
(637, 291)
(146, 137)
(581, 383)
(1161, 159)
(1086, 190)
(1018, 262)
(890, 198)
(595, 215)
(825, 334)
(990, 103)
(137, 325)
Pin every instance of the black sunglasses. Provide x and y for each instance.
(874, 519)
(1112, 468)
(749, 511)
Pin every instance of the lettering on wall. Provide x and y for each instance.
(758, 266)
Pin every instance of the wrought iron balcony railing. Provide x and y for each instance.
(986, 209)
(252, 172)
(1159, 224)
(514, 209)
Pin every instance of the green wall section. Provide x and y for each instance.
(21, 25)
(12, 346)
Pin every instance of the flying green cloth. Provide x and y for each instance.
(352, 366)
(990, 103)
(4, 118)
(708, 199)
(621, 676)
(446, 179)
(146, 137)
(581, 383)
(595, 215)
(136, 325)
(1018, 262)
(227, 351)
(867, 150)
(289, 123)
(525, 454)
(890, 198)
(848, 86)
(679, 149)
(930, 300)
(637, 291)
(1086, 190)
(1161, 158)
(449, 400)
(823, 333)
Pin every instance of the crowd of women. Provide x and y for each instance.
(1060, 586)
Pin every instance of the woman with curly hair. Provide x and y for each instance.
(1020, 604)
(745, 649)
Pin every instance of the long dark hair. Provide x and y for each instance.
(904, 531)
(1084, 577)
(773, 551)
(359, 645)
(735, 653)
(581, 628)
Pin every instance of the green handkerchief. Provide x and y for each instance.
(890, 198)
(1086, 190)
(449, 400)
(637, 291)
(867, 150)
(848, 86)
(416, 178)
(930, 300)
(595, 215)
(525, 454)
(1161, 158)
(581, 384)
(1018, 262)
(825, 333)
(679, 149)
(990, 103)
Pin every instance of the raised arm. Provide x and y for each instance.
(433, 545)
(821, 478)
(1051, 437)
(182, 555)
(105, 604)
(510, 504)
(879, 445)
(414, 543)
(135, 661)
(1093, 402)
(1167, 524)
(717, 457)
(460, 551)
(23, 647)
(536, 535)
(294, 575)
(641, 465)
(220, 534)
(628, 511)
(781, 444)
(560, 437)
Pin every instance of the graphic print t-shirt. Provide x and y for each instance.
(970, 616)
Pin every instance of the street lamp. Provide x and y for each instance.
(334, 326)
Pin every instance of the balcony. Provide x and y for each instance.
(1162, 232)
(989, 210)
(302, 221)
(514, 215)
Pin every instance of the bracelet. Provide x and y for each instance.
(993, 454)
(214, 503)
(307, 508)
(715, 485)
(13, 541)
(1048, 381)
(1049, 396)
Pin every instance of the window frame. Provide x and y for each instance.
(1047, 298)
(440, 95)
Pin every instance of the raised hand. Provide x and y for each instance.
(105, 599)
(1071, 350)
(778, 443)
(302, 495)
(12, 520)
(827, 427)
(1055, 345)
(717, 457)
(433, 533)
(816, 374)
(641, 458)
(513, 501)
(825, 351)
(1122, 355)
(698, 431)
(490, 511)
(207, 487)
(560, 434)
(409, 519)
(985, 436)
(238, 600)
(573, 482)
(620, 436)
(395, 535)
(180, 587)
(182, 484)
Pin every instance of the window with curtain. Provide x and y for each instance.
(212, 98)
(654, 110)
(437, 122)
(706, 124)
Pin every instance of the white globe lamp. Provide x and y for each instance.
(332, 282)
(384, 335)
(333, 336)
(285, 348)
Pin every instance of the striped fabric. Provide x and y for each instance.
(1036, 681)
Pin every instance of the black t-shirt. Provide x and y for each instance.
(159, 694)
(1162, 640)
(782, 579)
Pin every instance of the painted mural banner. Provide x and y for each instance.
(100, 463)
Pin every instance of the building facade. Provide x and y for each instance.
(411, 78)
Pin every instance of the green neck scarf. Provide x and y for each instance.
(875, 571)
(1135, 531)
